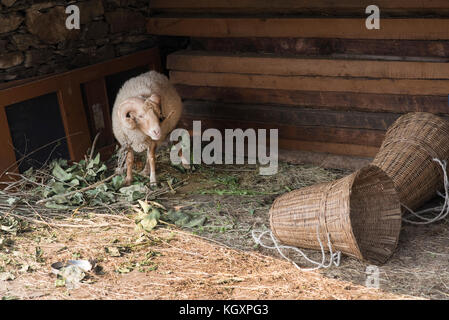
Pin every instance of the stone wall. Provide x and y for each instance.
(34, 40)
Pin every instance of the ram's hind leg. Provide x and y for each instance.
(129, 166)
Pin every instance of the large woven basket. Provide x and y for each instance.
(406, 156)
(360, 212)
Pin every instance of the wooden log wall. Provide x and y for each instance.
(309, 68)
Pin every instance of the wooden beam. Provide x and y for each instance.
(8, 156)
(290, 5)
(74, 119)
(305, 133)
(342, 101)
(333, 148)
(362, 85)
(99, 111)
(326, 46)
(199, 61)
(288, 142)
(401, 28)
(324, 160)
(285, 115)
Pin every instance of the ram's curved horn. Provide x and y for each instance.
(127, 110)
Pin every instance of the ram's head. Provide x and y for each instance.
(142, 114)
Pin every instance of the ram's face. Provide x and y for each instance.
(142, 115)
(148, 123)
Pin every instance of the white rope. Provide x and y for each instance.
(334, 257)
(444, 210)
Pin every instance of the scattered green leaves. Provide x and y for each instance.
(39, 255)
(113, 251)
(147, 216)
(232, 187)
(184, 219)
(85, 176)
(126, 267)
(11, 225)
(134, 192)
(60, 174)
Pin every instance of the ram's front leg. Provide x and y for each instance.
(150, 166)
(129, 166)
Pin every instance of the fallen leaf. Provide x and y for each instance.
(6, 276)
(113, 251)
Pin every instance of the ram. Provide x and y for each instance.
(147, 108)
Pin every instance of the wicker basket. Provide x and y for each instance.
(360, 212)
(406, 156)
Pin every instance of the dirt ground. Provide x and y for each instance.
(218, 260)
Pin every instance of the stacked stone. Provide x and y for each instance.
(34, 39)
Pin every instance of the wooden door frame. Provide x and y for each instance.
(67, 86)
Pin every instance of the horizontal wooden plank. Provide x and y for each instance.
(294, 144)
(385, 86)
(289, 152)
(333, 148)
(326, 46)
(306, 133)
(285, 115)
(324, 160)
(212, 5)
(319, 99)
(200, 61)
(15, 83)
(401, 28)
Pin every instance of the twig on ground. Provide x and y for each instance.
(92, 149)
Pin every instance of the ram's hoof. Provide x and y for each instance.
(153, 181)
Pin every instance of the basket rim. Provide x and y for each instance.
(357, 175)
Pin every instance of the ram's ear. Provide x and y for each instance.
(155, 99)
(127, 111)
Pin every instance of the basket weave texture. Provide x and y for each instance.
(406, 156)
(361, 213)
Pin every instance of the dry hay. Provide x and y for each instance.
(235, 200)
(188, 267)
